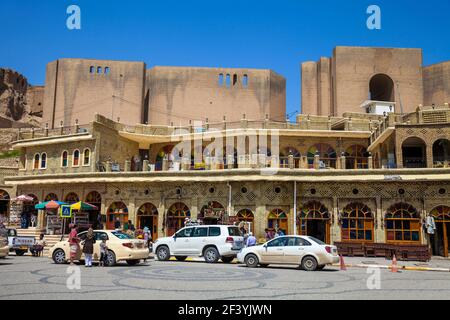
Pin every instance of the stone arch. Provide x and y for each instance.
(176, 215)
(414, 153)
(381, 88)
(441, 153)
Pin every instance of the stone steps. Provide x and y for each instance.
(50, 240)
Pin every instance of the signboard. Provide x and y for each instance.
(65, 211)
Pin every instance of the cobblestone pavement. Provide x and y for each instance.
(39, 278)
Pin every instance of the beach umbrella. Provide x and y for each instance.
(24, 198)
(83, 206)
(53, 205)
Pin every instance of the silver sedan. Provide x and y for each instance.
(308, 252)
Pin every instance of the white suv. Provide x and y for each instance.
(212, 242)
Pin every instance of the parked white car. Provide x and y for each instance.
(308, 252)
(121, 247)
(213, 242)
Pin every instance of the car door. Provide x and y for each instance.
(182, 243)
(295, 249)
(199, 240)
(273, 251)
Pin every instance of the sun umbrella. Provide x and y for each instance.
(53, 205)
(24, 198)
(83, 206)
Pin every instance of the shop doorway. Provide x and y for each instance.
(440, 241)
(95, 219)
(148, 217)
(176, 216)
(314, 221)
(117, 213)
(212, 213)
(277, 219)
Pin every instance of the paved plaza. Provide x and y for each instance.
(39, 278)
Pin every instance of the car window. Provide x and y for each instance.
(302, 242)
(317, 241)
(214, 231)
(185, 233)
(201, 232)
(292, 242)
(121, 235)
(234, 231)
(278, 242)
(99, 236)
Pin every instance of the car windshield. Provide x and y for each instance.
(234, 231)
(121, 235)
(317, 241)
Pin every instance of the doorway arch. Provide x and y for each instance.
(212, 213)
(246, 215)
(314, 221)
(147, 215)
(117, 211)
(4, 205)
(441, 153)
(277, 219)
(440, 241)
(176, 215)
(95, 218)
(381, 88)
(414, 153)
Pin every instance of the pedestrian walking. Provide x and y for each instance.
(251, 240)
(74, 242)
(147, 236)
(103, 252)
(88, 248)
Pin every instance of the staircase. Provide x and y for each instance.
(50, 240)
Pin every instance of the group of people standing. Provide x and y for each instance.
(88, 247)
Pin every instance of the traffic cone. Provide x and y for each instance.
(394, 267)
(341, 261)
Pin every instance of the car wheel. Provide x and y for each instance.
(309, 264)
(110, 259)
(20, 252)
(59, 257)
(163, 253)
(251, 261)
(133, 262)
(181, 258)
(227, 259)
(211, 255)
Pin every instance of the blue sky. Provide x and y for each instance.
(276, 35)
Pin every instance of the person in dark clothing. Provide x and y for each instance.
(117, 224)
(88, 247)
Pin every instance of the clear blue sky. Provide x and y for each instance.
(276, 35)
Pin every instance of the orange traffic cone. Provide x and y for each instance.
(341, 261)
(394, 267)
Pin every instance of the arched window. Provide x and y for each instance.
(402, 223)
(76, 158)
(235, 79)
(277, 219)
(43, 161)
(94, 198)
(220, 80)
(245, 81)
(86, 157)
(99, 70)
(228, 80)
(51, 197)
(356, 157)
(327, 155)
(107, 70)
(92, 69)
(65, 159)
(246, 215)
(36, 162)
(71, 198)
(357, 223)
